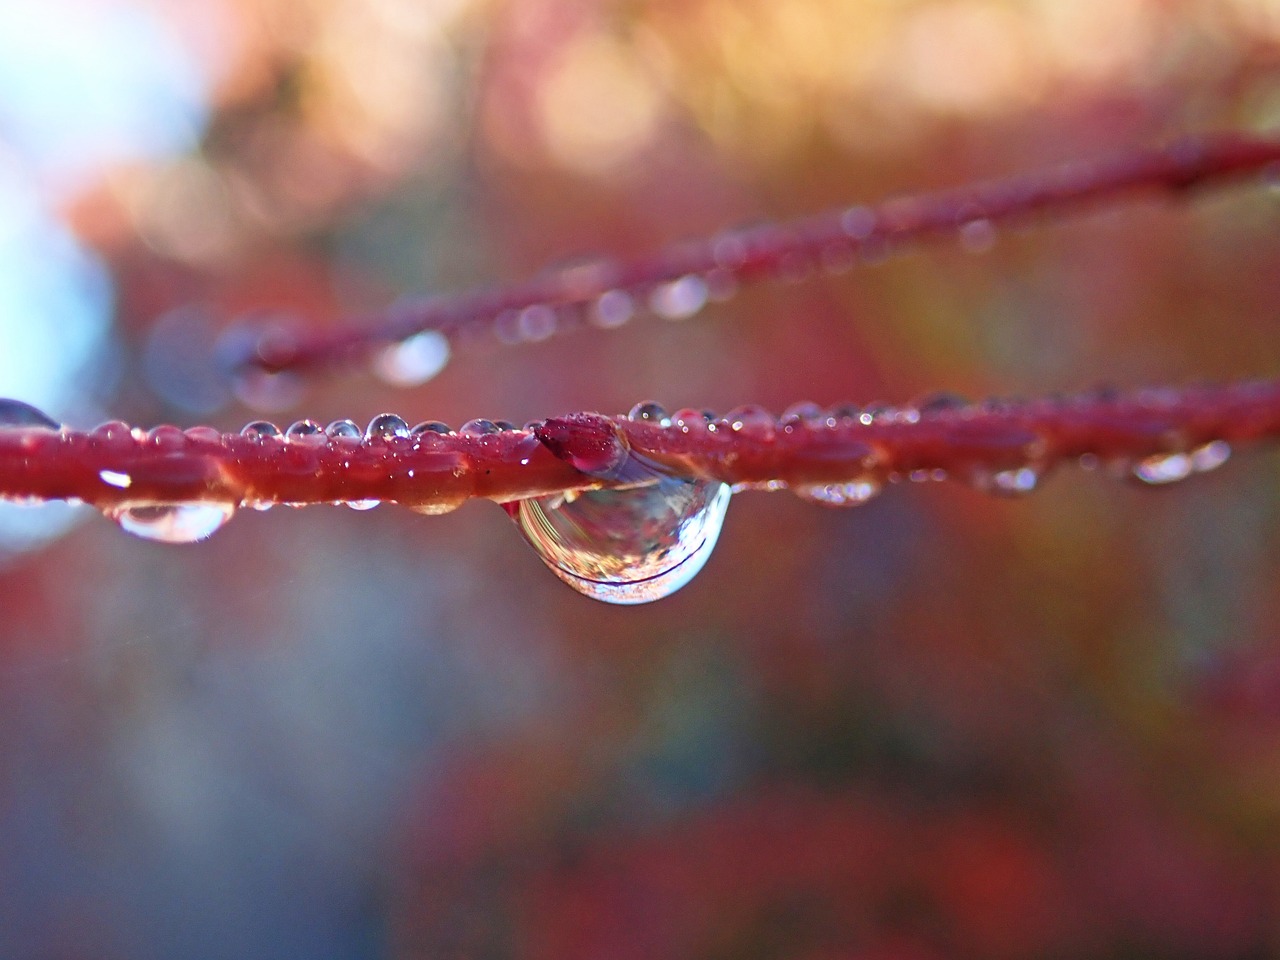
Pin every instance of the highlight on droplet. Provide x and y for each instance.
(628, 545)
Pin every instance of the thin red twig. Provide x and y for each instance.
(605, 292)
(114, 466)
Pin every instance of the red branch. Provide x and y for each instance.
(113, 466)
(568, 298)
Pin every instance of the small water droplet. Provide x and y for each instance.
(504, 425)
(1010, 482)
(173, 523)
(413, 361)
(203, 434)
(626, 546)
(386, 426)
(804, 413)
(650, 412)
(751, 420)
(536, 323)
(479, 427)
(850, 493)
(343, 430)
(940, 401)
(361, 504)
(680, 298)
(15, 413)
(166, 437)
(1164, 468)
(612, 309)
(689, 420)
(1210, 456)
(858, 222)
(260, 430)
(432, 427)
(305, 431)
(978, 236)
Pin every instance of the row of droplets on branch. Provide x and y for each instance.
(624, 509)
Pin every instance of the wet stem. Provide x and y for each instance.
(181, 485)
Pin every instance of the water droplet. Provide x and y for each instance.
(343, 430)
(850, 493)
(1010, 482)
(361, 504)
(536, 323)
(504, 425)
(204, 434)
(260, 430)
(173, 523)
(940, 401)
(612, 309)
(650, 412)
(166, 437)
(626, 546)
(430, 426)
(689, 420)
(413, 361)
(679, 298)
(805, 412)
(1164, 468)
(305, 431)
(479, 427)
(1210, 456)
(15, 413)
(751, 420)
(386, 426)
(978, 236)
(858, 222)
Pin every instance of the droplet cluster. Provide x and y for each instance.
(649, 525)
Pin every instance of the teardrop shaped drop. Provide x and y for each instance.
(626, 546)
(173, 523)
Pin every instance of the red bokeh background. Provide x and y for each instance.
(938, 725)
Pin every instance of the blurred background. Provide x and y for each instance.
(939, 725)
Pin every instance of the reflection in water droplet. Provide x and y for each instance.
(679, 298)
(361, 504)
(15, 413)
(173, 523)
(1010, 483)
(850, 493)
(1163, 468)
(259, 430)
(630, 545)
(413, 361)
(479, 427)
(430, 426)
(386, 426)
(612, 309)
(343, 430)
(1210, 456)
(304, 431)
(650, 412)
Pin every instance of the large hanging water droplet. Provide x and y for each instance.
(173, 523)
(627, 546)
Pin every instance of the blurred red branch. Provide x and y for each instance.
(114, 466)
(606, 292)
